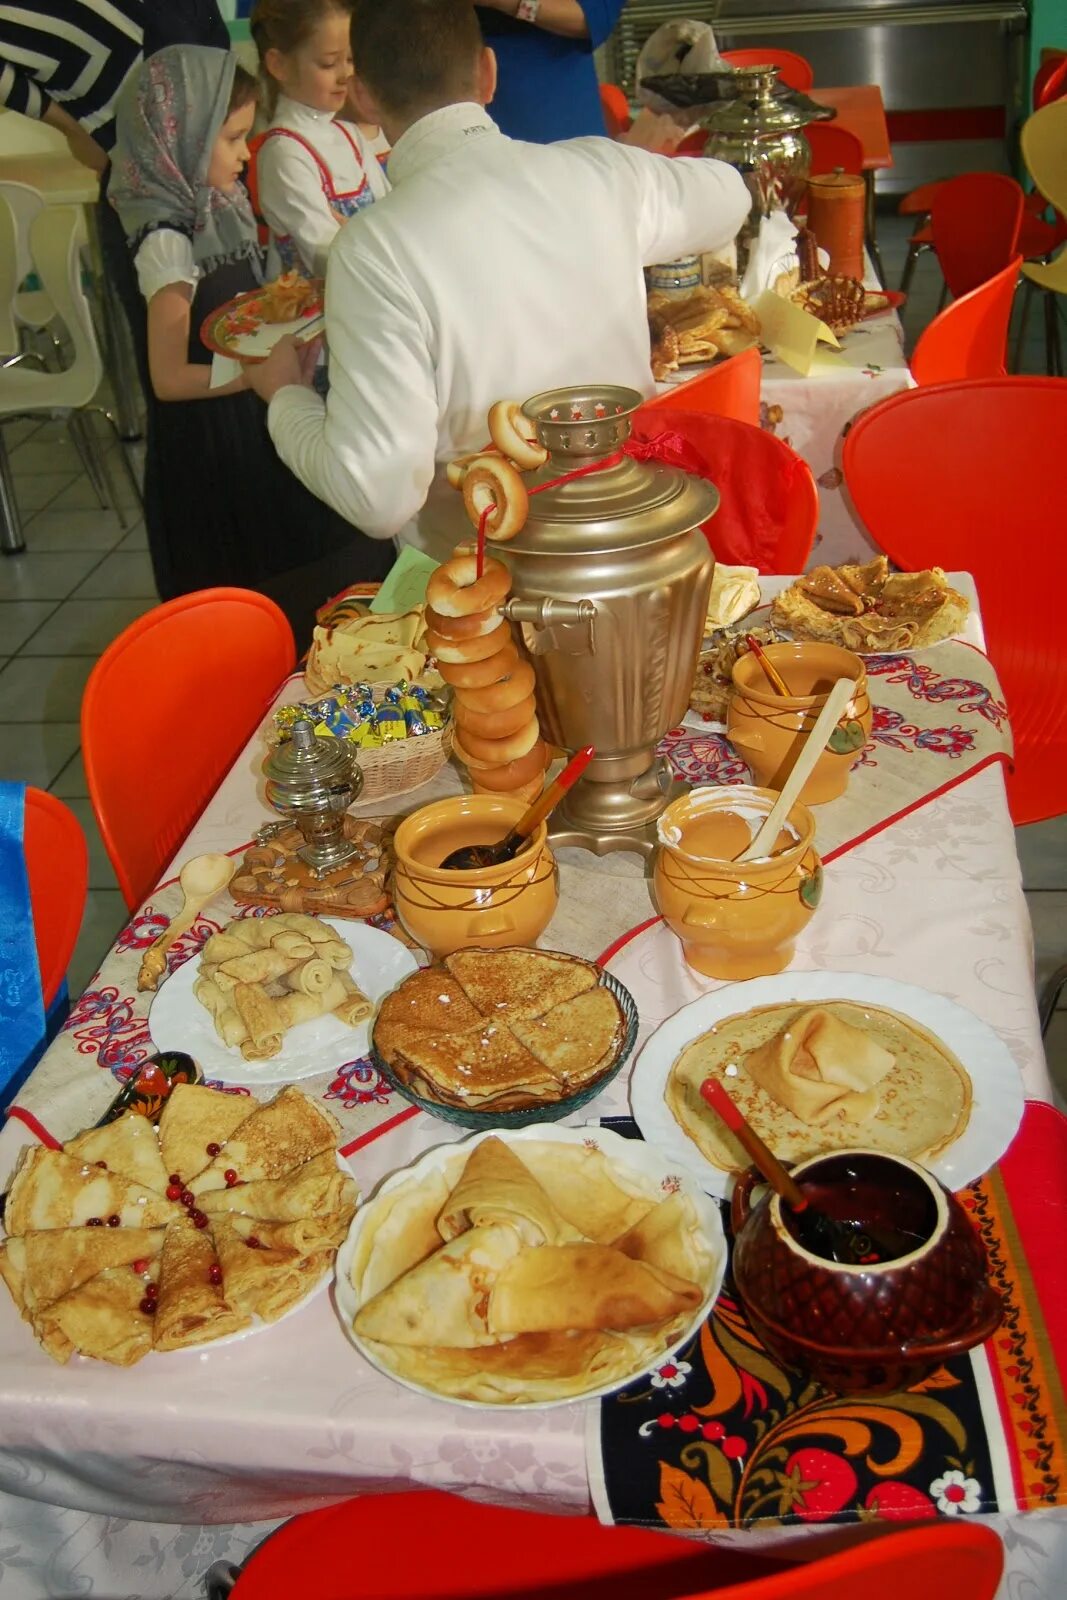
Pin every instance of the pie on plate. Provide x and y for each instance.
(106, 1256)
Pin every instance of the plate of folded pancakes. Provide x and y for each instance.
(529, 1268)
(501, 1038)
(273, 999)
(133, 1239)
(866, 607)
(251, 324)
(824, 1061)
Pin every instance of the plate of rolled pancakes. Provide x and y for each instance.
(277, 998)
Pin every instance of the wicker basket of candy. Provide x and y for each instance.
(402, 732)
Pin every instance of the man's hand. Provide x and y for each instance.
(290, 362)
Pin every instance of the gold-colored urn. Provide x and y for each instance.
(610, 583)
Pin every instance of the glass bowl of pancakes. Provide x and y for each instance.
(504, 1038)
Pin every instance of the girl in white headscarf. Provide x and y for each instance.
(220, 508)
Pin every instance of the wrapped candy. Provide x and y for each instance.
(391, 724)
(349, 712)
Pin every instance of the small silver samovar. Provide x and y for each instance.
(313, 780)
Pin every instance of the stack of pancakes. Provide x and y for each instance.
(500, 1030)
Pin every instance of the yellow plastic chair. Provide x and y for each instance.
(1044, 147)
(57, 237)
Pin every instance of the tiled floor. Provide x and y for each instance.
(84, 578)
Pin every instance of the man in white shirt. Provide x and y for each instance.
(493, 269)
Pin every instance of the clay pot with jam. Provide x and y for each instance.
(488, 907)
(877, 1327)
(735, 919)
(768, 729)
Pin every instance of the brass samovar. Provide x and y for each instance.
(610, 583)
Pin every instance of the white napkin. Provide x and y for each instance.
(223, 370)
(773, 252)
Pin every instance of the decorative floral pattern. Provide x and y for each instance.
(924, 683)
(359, 1083)
(954, 1492)
(671, 1375)
(703, 757)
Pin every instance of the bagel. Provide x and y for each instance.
(500, 751)
(525, 791)
(469, 627)
(493, 482)
(455, 589)
(479, 649)
(501, 694)
(456, 470)
(493, 724)
(511, 776)
(479, 674)
(513, 434)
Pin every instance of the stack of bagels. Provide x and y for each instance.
(496, 732)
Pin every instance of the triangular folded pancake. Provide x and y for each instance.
(521, 983)
(401, 1232)
(308, 1238)
(54, 1190)
(42, 1267)
(192, 1309)
(261, 1279)
(481, 1064)
(127, 1146)
(430, 1001)
(664, 1238)
(819, 1065)
(577, 1039)
(277, 1137)
(592, 1286)
(193, 1118)
(495, 1186)
(101, 1318)
(318, 1187)
(579, 1181)
(443, 1300)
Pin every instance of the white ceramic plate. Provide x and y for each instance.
(177, 1020)
(647, 1163)
(996, 1109)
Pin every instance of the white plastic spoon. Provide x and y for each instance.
(813, 747)
(201, 879)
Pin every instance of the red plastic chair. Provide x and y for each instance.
(969, 338)
(167, 709)
(57, 865)
(769, 505)
(833, 147)
(1050, 82)
(963, 475)
(426, 1545)
(616, 109)
(792, 69)
(728, 389)
(1034, 240)
(974, 223)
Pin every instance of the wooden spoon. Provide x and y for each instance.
(201, 879)
(813, 747)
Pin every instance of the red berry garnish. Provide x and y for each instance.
(199, 1219)
(188, 1198)
(174, 1191)
(175, 1177)
(253, 1243)
(214, 1273)
(102, 1164)
(230, 1176)
(95, 1222)
(148, 1307)
(152, 1291)
(140, 1265)
(114, 1221)
(213, 1148)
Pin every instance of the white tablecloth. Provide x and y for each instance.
(198, 1446)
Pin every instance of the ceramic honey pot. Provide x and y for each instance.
(767, 729)
(735, 919)
(873, 1328)
(489, 907)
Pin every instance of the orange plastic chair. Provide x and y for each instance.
(616, 109)
(769, 505)
(957, 475)
(969, 338)
(833, 147)
(167, 709)
(792, 69)
(728, 389)
(57, 865)
(426, 1545)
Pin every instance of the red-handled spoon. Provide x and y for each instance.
(490, 855)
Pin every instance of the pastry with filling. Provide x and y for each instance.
(816, 1089)
(584, 1286)
(866, 607)
(496, 1186)
(445, 1299)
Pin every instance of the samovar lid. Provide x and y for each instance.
(750, 105)
(590, 497)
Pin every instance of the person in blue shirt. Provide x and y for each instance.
(547, 85)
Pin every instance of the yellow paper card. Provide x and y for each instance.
(790, 333)
(405, 586)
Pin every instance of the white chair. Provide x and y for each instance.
(57, 236)
(32, 307)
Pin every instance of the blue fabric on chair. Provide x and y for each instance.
(22, 1018)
